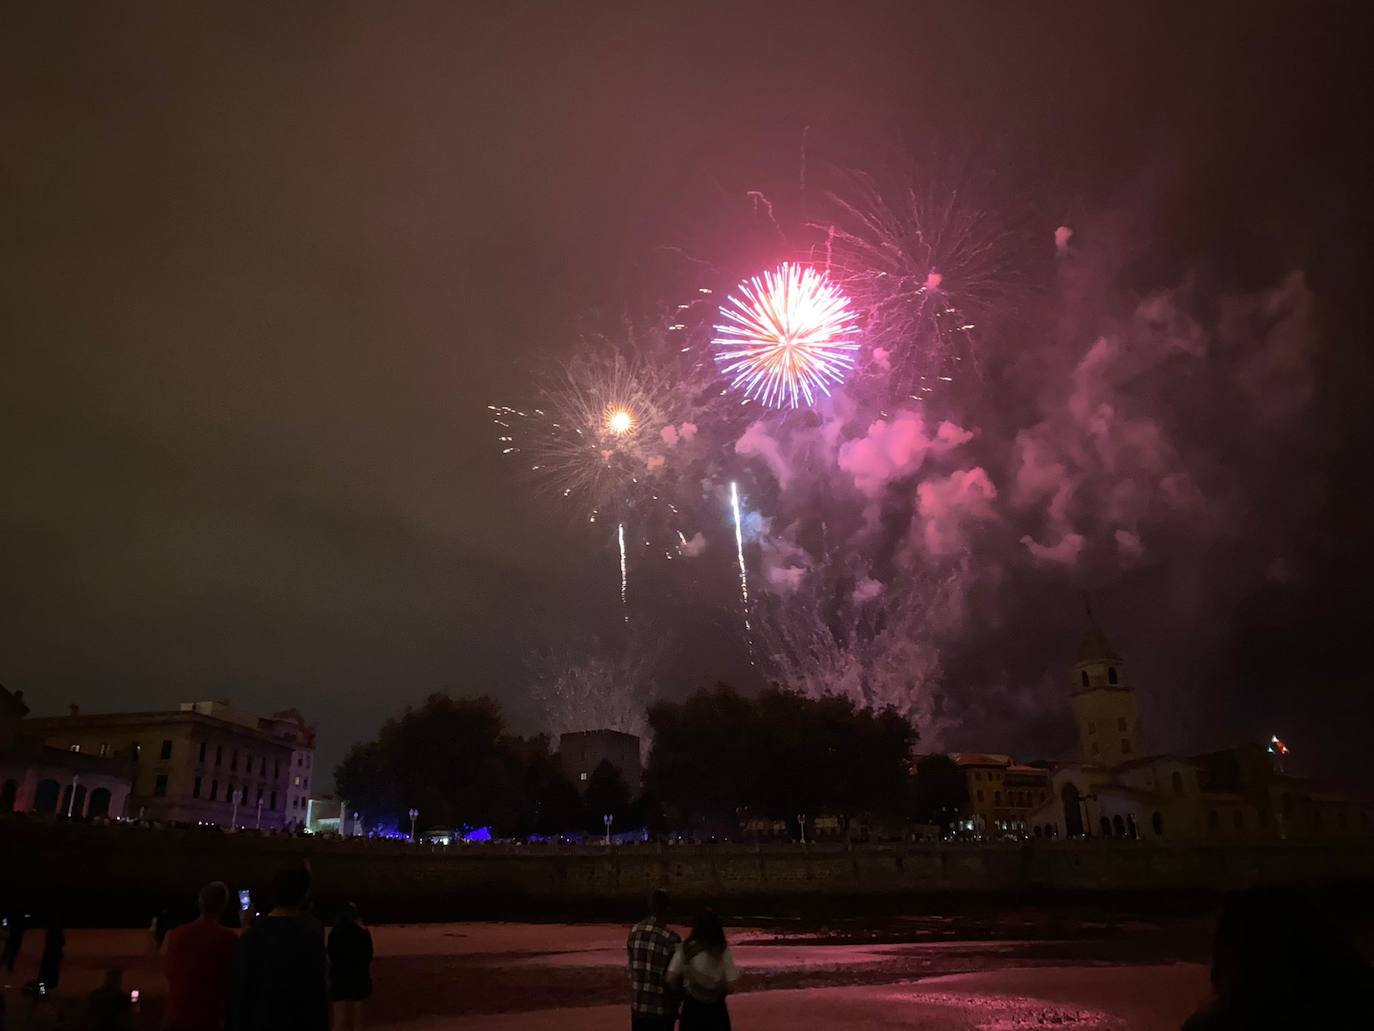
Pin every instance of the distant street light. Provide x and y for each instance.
(801, 822)
(357, 824)
(607, 820)
(413, 814)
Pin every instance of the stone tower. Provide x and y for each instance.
(1103, 702)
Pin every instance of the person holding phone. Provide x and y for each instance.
(200, 961)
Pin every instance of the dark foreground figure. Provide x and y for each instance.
(650, 947)
(350, 968)
(1279, 963)
(704, 969)
(279, 965)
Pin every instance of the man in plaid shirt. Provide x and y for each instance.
(651, 945)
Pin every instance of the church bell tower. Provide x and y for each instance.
(1103, 702)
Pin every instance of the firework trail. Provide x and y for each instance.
(789, 334)
(743, 572)
(624, 574)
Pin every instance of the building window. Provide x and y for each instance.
(1176, 779)
(997, 798)
(160, 786)
(1157, 821)
(234, 760)
(1121, 724)
(166, 751)
(274, 800)
(1083, 678)
(1125, 747)
(297, 781)
(306, 785)
(195, 788)
(1092, 727)
(582, 776)
(1094, 748)
(219, 755)
(980, 794)
(977, 774)
(73, 748)
(276, 770)
(103, 750)
(214, 791)
(262, 770)
(1111, 674)
(243, 795)
(200, 756)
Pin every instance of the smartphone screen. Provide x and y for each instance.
(245, 900)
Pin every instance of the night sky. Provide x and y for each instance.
(264, 269)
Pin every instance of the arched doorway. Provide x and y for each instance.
(1118, 826)
(1157, 822)
(1073, 811)
(79, 802)
(1105, 826)
(100, 802)
(45, 798)
(8, 794)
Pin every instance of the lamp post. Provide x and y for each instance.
(259, 827)
(357, 824)
(413, 814)
(801, 823)
(234, 813)
(71, 802)
(607, 819)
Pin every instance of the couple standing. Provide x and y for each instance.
(666, 972)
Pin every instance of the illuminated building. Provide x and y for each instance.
(205, 762)
(51, 780)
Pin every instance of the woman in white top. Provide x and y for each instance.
(705, 970)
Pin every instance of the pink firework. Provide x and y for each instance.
(787, 335)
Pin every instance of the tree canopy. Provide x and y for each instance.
(941, 793)
(453, 760)
(719, 755)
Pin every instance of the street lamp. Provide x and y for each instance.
(234, 813)
(357, 824)
(413, 814)
(607, 819)
(259, 827)
(71, 802)
(801, 823)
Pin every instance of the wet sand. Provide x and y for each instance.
(1009, 970)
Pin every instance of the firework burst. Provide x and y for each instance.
(788, 334)
(595, 437)
(923, 264)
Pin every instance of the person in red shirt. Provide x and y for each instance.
(200, 960)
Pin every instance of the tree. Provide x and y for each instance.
(606, 793)
(941, 792)
(453, 761)
(718, 757)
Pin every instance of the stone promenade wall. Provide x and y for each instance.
(119, 875)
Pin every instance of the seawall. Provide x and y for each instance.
(121, 875)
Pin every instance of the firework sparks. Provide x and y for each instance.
(788, 335)
(918, 258)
